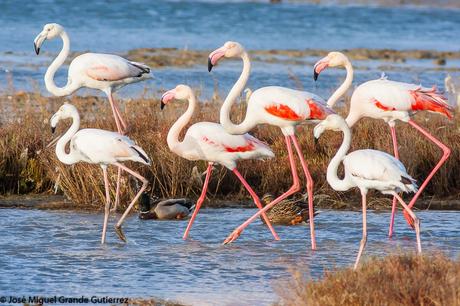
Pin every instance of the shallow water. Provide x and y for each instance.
(58, 253)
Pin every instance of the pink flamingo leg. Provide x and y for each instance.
(445, 155)
(120, 118)
(362, 244)
(115, 114)
(416, 222)
(107, 204)
(117, 193)
(309, 191)
(256, 201)
(118, 228)
(395, 201)
(199, 202)
(294, 188)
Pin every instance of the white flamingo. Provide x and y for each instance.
(105, 72)
(391, 101)
(209, 141)
(99, 147)
(367, 169)
(278, 106)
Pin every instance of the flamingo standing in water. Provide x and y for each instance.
(101, 147)
(278, 106)
(367, 169)
(210, 142)
(105, 72)
(391, 101)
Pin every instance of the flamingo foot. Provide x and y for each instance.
(233, 236)
(120, 233)
(409, 219)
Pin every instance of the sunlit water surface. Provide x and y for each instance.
(58, 253)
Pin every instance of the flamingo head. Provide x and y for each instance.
(332, 122)
(333, 59)
(229, 49)
(50, 31)
(65, 111)
(180, 92)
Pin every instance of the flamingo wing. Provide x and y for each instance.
(390, 95)
(108, 67)
(376, 165)
(102, 146)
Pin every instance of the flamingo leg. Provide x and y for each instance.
(256, 201)
(309, 180)
(118, 228)
(416, 222)
(294, 188)
(120, 118)
(199, 202)
(107, 204)
(117, 193)
(395, 201)
(446, 152)
(115, 114)
(364, 239)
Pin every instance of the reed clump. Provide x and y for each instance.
(28, 165)
(394, 280)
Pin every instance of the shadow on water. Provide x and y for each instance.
(58, 252)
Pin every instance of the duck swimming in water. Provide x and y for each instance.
(288, 211)
(171, 209)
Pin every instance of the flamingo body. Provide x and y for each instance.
(372, 169)
(210, 142)
(97, 146)
(285, 107)
(391, 100)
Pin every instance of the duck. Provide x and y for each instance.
(170, 209)
(288, 211)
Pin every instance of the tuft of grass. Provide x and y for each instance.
(394, 280)
(28, 165)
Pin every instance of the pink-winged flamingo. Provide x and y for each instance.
(101, 147)
(105, 72)
(209, 141)
(391, 101)
(367, 169)
(278, 106)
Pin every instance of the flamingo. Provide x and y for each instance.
(101, 147)
(209, 141)
(105, 72)
(279, 106)
(391, 101)
(367, 169)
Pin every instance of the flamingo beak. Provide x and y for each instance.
(38, 41)
(320, 66)
(215, 56)
(166, 98)
(53, 129)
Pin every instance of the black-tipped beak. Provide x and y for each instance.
(162, 105)
(53, 129)
(37, 49)
(315, 75)
(210, 65)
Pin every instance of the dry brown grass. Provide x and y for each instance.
(394, 280)
(28, 166)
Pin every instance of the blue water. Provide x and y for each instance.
(104, 25)
(51, 253)
(119, 26)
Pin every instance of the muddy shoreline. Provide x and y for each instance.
(59, 202)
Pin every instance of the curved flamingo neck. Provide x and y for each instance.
(51, 71)
(71, 157)
(174, 131)
(332, 177)
(236, 90)
(344, 87)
